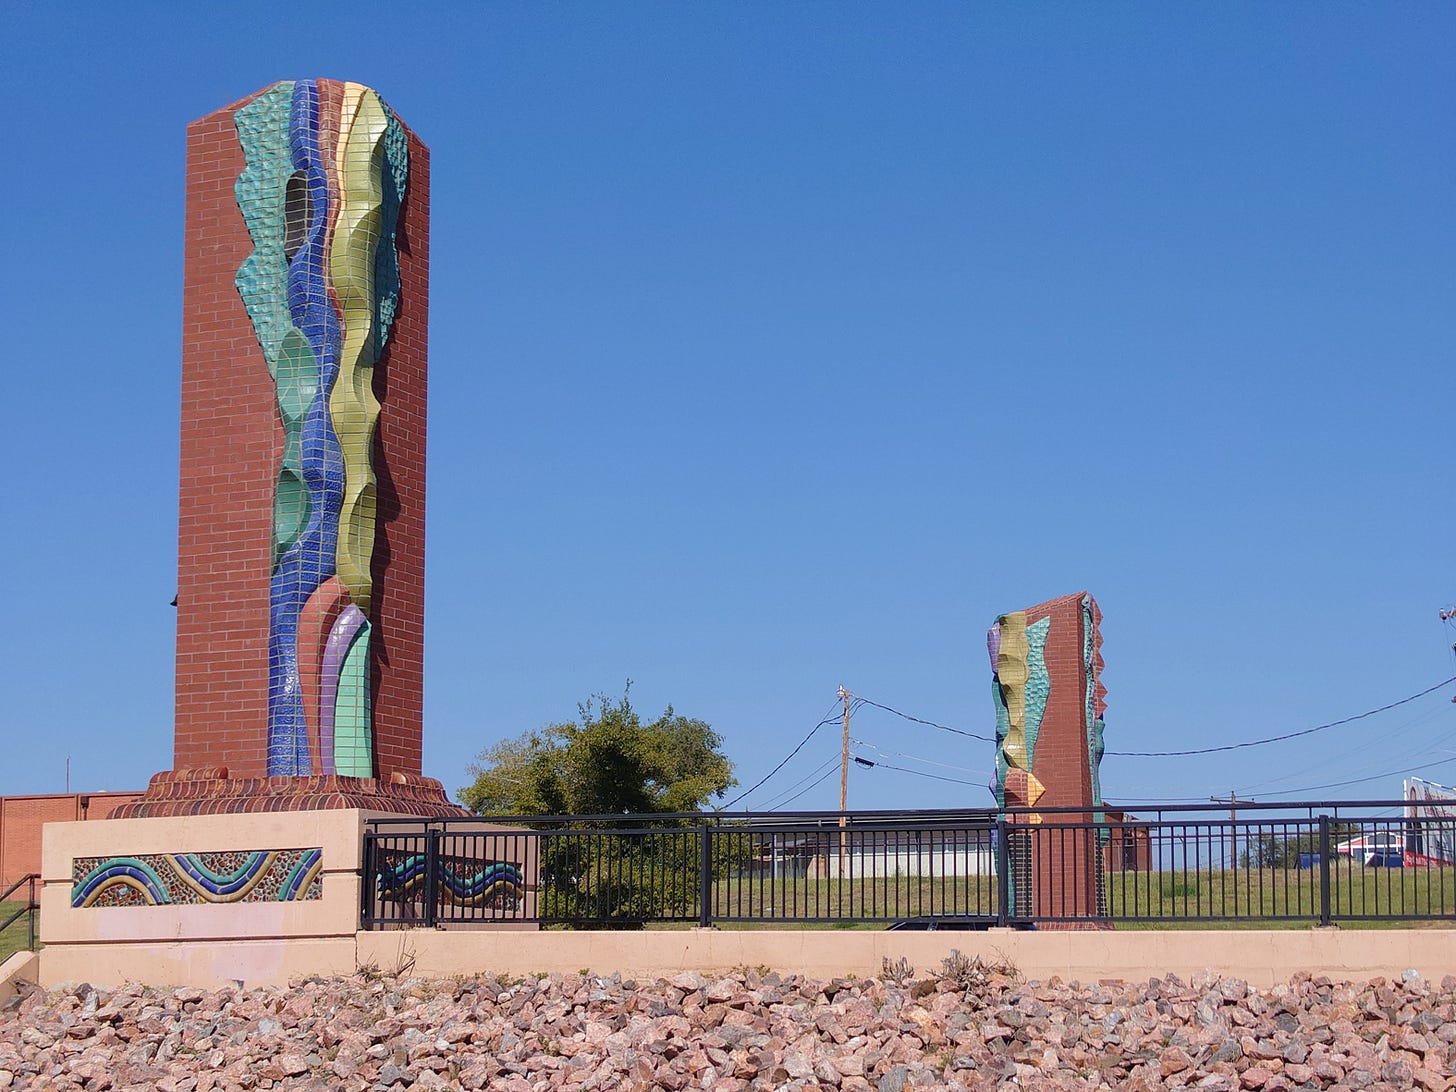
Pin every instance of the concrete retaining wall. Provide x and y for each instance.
(1261, 957)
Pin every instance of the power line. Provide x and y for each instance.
(1262, 787)
(827, 775)
(773, 801)
(1341, 758)
(1120, 800)
(1362, 780)
(1195, 751)
(918, 773)
(1287, 735)
(915, 758)
(928, 723)
(829, 719)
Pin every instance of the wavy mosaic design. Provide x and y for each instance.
(1038, 684)
(262, 127)
(320, 615)
(1022, 685)
(261, 281)
(1047, 712)
(327, 166)
(386, 265)
(1096, 694)
(498, 885)
(178, 879)
(1009, 692)
(352, 404)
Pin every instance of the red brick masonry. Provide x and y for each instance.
(213, 792)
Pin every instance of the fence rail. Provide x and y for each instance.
(1319, 863)
(28, 908)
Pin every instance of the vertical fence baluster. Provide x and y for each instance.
(1325, 916)
(894, 881)
(705, 876)
(432, 876)
(367, 884)
(1003, 877)
(756, 877)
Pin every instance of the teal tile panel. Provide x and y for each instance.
(1038, 684)
(353, 742)
(386, 261)
(262, 127)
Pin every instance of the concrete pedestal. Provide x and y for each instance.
(211, 898)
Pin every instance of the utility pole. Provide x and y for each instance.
(1232, 800)
(1448, 615)
(844, 696)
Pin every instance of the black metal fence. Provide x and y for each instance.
(22, 892)
(1317, 863)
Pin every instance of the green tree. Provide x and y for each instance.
(607, 762)
(1274, 851)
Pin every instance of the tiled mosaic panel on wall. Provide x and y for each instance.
(179, 879)
(496, 885)
(327, 167)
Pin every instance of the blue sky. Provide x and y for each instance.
(775, 347)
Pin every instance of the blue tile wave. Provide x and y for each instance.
(310, 560)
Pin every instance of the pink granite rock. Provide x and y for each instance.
(735, 1032)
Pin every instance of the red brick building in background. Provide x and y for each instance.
(21, 819)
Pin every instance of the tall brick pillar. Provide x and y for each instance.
(300, 601)
(1049, 700)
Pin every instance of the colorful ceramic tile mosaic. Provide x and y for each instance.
(1023, 681)
(179, 879)
(1049, 699)
(498, 885)
(327, 166)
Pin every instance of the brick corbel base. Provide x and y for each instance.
(209, 791)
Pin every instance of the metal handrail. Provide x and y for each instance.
(810, 818)
(900, 817)
(1179, 863)
(29, 909)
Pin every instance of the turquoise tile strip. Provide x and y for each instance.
(261, 281)
(263, 133)
(1094, 722)
(1038, 684)
(221, 882)
(386, 262)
